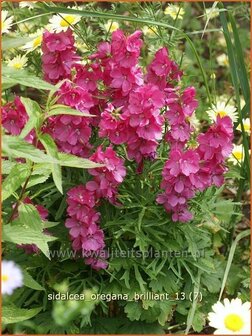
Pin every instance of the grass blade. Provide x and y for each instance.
(240, 236)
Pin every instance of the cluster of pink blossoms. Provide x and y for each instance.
(83, 221)
(59, 54)
(190, 170)
(127, 107)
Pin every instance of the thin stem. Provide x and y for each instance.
(21, 195)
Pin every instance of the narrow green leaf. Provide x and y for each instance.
(23, 77)
(35, 116)
(30, 282)
(16, 147)
(95, 14)
(242, 72)
(192, 311)
(62, 109)
(14, 180)
(13, 314)
(240, 236)
(14, 42)
(52, 151)
(73, 161)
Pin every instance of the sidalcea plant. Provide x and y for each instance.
(125, 106)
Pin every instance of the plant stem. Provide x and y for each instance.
(21, 195)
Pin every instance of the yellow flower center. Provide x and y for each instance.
(221, 113)
(18, 65)
(37, 41)
(68, 19)
(233, 322)
(5, 277)
(246, 127)
(238, 155)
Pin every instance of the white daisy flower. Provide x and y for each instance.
(230, 318)
(62, 22)
(29, 4)
(211, 13)
(246, 125)
(174, 11)
(11, 277)
(18, 62)
(149, 31)
(111, 26)
(222, 60)
(36, 42)
(221, 109)
(237, 155)
(6, 22)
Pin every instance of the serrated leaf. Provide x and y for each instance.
(16, 147)
(73, 161)
(199, 321)
(125, 277)
(13, 314)
(166, 309)
(12, 76)
(52, 151)
(30, 282)
(7, 165)
(14, 180)
(37, 179)
(35, 116)
(28, 229)
(133, 311)
(139, 279)
(165, 283)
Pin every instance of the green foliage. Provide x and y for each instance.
(12, 314)
(28, 228)
(209, 255)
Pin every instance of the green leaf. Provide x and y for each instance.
(7, 165)
(28, 229)
(73, 161)
(133, 310)
(14, 42)
(141, 328)
(199, 321)
(11, 76)
(62, 109)
(165, 283)
(14, 180)
(35, 116)
(16, 147)
(192, 311)
(30, 282)
(52, 151)
(13, 314)
(240, 236)
(139, 279)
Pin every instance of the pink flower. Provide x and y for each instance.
(14, 116)
(107, 178)
(59, 55)
(162, 69)
(126, 78)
